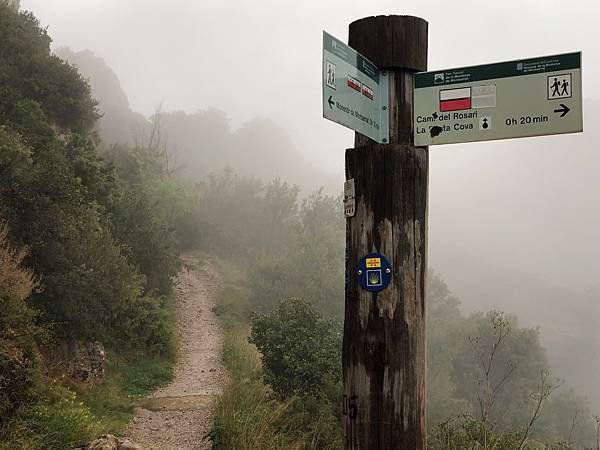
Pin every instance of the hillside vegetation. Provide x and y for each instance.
(89, 246)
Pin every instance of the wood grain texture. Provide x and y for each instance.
(384, 333)
(391, 41)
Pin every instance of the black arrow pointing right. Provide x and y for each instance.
(331, 102)
(564, 109)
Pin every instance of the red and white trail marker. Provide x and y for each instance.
(455, 99)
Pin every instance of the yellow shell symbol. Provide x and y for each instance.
(373, 278)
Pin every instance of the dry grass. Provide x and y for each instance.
(246, 418)
(15, 280)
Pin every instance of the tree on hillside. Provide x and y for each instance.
(30, 72)
(62, 199)
(487, 376)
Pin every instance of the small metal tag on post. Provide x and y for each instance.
(349, 198)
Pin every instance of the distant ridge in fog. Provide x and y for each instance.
(201, 142)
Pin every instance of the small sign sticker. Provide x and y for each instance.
(349, 189)
(373, 263)
(349, 200)
(353, 83)
(455, 99)
(350, 207)
(483, 96)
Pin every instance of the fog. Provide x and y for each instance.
(514, 225)
(263, 58)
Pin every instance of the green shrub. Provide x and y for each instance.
(148, 323)
(62, 420)
(58, 421)
(249, 416)
(301, 350)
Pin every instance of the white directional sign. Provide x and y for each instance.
(529, 97)
(355, 91)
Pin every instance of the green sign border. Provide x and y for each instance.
(530, 66)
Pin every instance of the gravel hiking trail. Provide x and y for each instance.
(179, 416)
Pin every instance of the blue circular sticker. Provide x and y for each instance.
(374, 272)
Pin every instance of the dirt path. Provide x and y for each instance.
(179, 415)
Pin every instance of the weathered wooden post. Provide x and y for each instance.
(384, 332)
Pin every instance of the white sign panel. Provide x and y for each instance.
(355, 91)
(530, 97)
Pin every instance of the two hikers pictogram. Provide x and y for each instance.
(330, 74)
(559, 86)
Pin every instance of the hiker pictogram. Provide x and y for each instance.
(330, 72)
(559, 86)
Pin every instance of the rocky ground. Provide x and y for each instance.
(179, 416)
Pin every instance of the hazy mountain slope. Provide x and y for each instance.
(119, 124)
(201, 142)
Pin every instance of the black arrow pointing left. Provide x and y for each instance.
(331, 102)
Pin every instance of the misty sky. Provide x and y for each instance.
(263, 57)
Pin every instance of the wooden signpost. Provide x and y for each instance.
(384, 332)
